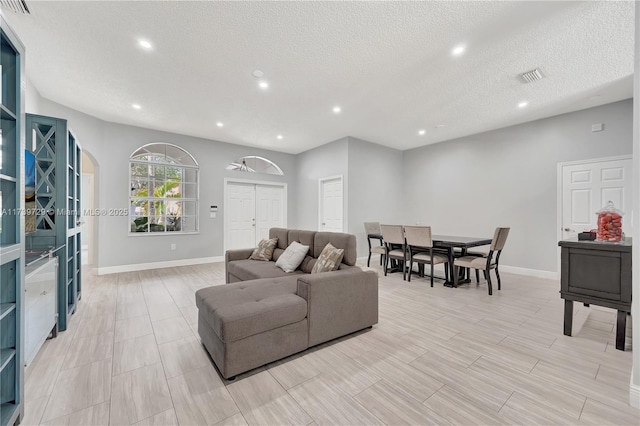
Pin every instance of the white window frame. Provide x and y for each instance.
(195, 167)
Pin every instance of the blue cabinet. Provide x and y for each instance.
(12, 242)
(58, 218)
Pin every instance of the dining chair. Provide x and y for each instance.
(420, 249)
(482, 263)
(372, 229)
(395, 247)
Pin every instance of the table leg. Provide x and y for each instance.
(568, 317)
(452, 270)
(621, 330)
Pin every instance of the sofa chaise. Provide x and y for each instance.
(264, 314)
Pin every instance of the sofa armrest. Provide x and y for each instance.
(239, 254)
(339, 302)
(231, 255)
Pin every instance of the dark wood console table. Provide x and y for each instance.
(598, 273)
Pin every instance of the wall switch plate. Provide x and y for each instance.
(173, 246)
(598, 127)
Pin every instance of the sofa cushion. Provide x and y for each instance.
(282, 234)
(329, 259)
(338, 240)
(305, 238)
(292, 257)
(235, 311)
(248, 269)
(264, 251)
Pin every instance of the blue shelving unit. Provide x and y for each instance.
(58, 158)
(12, 242)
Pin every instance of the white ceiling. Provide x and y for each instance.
(387, 64)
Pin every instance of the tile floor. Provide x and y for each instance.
(438, 356)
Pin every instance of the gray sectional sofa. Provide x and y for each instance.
(264, 314)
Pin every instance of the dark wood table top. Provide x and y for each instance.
(463, 242)
(623, 246)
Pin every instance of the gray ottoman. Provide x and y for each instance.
(248, 324)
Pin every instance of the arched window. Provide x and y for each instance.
(164, 190)
(255, 164)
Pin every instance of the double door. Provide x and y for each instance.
(252, 209)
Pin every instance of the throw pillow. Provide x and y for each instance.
(329, 259)
(264, 251)
(292, 257)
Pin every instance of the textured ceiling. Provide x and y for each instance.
(387, 64)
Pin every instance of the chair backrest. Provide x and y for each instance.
(418, 236)
(499, 238)
(392, 234)
(372, 228)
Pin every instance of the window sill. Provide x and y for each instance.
(160, 234)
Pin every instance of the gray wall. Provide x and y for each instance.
(32, 98)
(507, 177)
(112, 144)
(635, 306)
(327, 160)
(376, 179)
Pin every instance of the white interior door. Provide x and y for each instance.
(241, 220)
(269, 210)
(587, 187)
(331, 202)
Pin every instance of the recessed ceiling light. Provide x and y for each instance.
(136, 106)
(523, 104)
(145, 44)
(337, 109)
(220, 124)
(458, 50)
(279, 136)
(257, 74)
(263, 85)
(422, 132)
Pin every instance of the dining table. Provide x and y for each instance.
(450, 243)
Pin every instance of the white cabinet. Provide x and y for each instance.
(41, 303)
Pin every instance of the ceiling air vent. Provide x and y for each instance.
(18, 6)
(533, 75)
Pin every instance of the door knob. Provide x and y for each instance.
(323, 224)
(568, 230)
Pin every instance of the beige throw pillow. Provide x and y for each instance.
(329, 259)
(292, 257)
(264, 251)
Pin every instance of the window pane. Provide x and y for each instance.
(174, 173)
(189, 191)
(158, 172)
(174, 208)
(139, 170)
(188, 208)
(190, 175)
(189, 224)
(139, 188)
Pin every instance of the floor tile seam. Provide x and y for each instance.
(582, 409)
(505, 402)
(108, 401)
(135, 369)
(344, 394)
(55, 382)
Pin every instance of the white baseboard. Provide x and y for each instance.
(157, 265)
(537, 273)
(634, 393)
